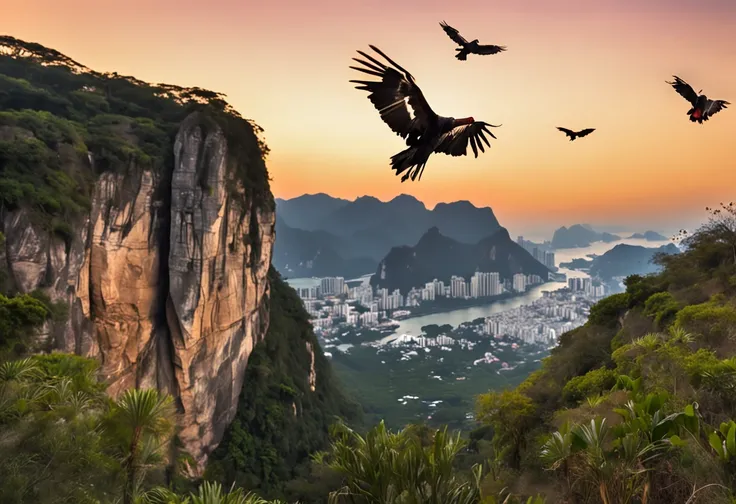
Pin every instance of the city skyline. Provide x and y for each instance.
(572, 63)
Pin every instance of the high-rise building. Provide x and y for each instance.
(428, 293)
(332, 286)
(458, 287)
(549, 259)
(538, 254)
(439, 287)
(397, 301)
(533, 279)
(307, 292)
(474, 286)
(496, 287)
(579, 284)
(519, 282)
(382, 295)
(484, 284)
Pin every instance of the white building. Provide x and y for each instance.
(519, 282)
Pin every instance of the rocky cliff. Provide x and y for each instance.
(161, 240)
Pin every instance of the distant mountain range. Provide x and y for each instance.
(624, 260)
(308, 211)
(649, 236)
(341, 237)
(300, 253)
(580, 235)
(436, 255)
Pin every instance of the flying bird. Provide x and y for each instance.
(469, 47)
(404, 109)
(575, 134)
(702, 108)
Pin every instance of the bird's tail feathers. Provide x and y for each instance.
(462, 54)
(403, 160)
(406, 161)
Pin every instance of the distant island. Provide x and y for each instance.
(622, 260)
(438, 256)
(580, 235)
(578, 264)
(649, 236)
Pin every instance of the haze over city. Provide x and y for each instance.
(570, 63)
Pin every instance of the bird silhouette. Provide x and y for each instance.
(575, 134)
(702, 108)
(469, 47)
(404, 109)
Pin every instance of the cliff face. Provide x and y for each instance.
(165, 278)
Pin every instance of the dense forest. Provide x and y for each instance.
(636, 406)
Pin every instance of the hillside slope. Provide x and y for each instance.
(623, 260)
(636, 405)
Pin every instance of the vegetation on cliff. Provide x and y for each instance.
(63, 124)
(280, 419)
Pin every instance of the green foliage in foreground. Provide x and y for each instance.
(637, 406)
(62, 439)
(400, 468)
(208, 493)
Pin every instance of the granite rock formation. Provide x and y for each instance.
(165, 279)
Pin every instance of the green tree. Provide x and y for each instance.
(19, 316)
(52, 448)
(511, 413)
(141, 424)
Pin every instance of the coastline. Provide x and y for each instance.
(451, 304)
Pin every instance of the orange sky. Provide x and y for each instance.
(572, 63)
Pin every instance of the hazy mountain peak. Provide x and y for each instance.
(364, 199)
(407, 199)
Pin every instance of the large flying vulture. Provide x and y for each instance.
(403, 107)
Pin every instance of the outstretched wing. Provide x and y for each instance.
(489, 49)
(586, 131)
(684, 89)
(715, 106)
(396, 96)
(567, 132)
(453, 34)
(455, 141)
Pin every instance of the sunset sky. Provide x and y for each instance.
(571, 63)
